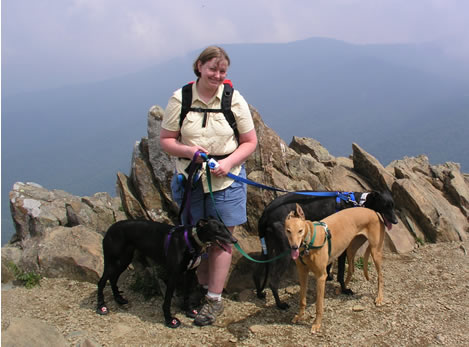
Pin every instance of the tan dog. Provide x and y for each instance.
(313, 246)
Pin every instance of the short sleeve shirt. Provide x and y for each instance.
(216, 136)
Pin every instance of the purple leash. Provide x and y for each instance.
(185, 205)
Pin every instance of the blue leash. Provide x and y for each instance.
(212, 163)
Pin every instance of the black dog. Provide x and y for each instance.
(271, 229)
(172, 247)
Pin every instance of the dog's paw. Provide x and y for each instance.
(315, 328)
(173, 323)
(283, 306)
(261, 295)
(191, 313)
(102, 310)
(347, 291)
(297, 318)
(379, 302)
(121, 300)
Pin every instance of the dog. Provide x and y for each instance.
(271, 229)
(177, 249)
(314, 245)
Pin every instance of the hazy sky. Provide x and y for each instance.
(52, 42)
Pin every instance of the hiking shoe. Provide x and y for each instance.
(209, 312)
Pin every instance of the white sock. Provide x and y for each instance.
(214, 295)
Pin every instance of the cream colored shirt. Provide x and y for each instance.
(217, 136)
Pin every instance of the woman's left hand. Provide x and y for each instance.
(223, 168)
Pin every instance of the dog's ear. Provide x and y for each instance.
(201, 222)
(299, 211)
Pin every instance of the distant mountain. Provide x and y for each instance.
(393, 100)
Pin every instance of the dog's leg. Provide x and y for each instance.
(189, 283)
(377, 255)
(260, 269)
(279, 267)
(303, 279)
(117, 268)
(170, 321)
(351, 265)
(320, 289)
(101, 305)
(341, 273)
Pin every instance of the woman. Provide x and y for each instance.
(210, 133)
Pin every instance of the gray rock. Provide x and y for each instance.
(27, 332)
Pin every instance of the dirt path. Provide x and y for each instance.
(426, 303)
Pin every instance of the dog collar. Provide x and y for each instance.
(363, 199)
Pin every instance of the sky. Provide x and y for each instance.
(49, 43)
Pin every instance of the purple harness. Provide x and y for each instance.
(186, 238)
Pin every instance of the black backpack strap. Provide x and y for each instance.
(186, 102)
(226, 108)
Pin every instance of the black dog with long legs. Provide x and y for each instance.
(271, 229)
(175, 248)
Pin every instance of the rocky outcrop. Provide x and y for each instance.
(58, 234)
(431, 206)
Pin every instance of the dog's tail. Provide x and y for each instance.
(365, 262)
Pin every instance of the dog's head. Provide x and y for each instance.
(295, 230)
(383, 203)
(212, 230)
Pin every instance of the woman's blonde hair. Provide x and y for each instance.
(208, 54)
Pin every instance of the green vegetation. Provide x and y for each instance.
(28, 279)
(359, 263)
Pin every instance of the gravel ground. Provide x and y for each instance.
(426, 296)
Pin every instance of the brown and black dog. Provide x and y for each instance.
(315, 244)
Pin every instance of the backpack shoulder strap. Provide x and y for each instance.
(226, 107)
(186, 101)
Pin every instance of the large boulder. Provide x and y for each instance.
(426, 198)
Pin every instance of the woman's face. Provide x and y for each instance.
(213, 72)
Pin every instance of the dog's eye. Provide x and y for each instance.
(301, 231)
(288, 231)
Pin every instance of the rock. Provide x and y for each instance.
(162, 164)
(75, 253)
(132, 206)
(147, 188)
(36, 210)
(58, 234)
(26, 332)
(305, 145)
(368, 166)
(423, 203)
(358, 308)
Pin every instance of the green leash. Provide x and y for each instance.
(237, 246)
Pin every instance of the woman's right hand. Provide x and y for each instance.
(194, 149)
